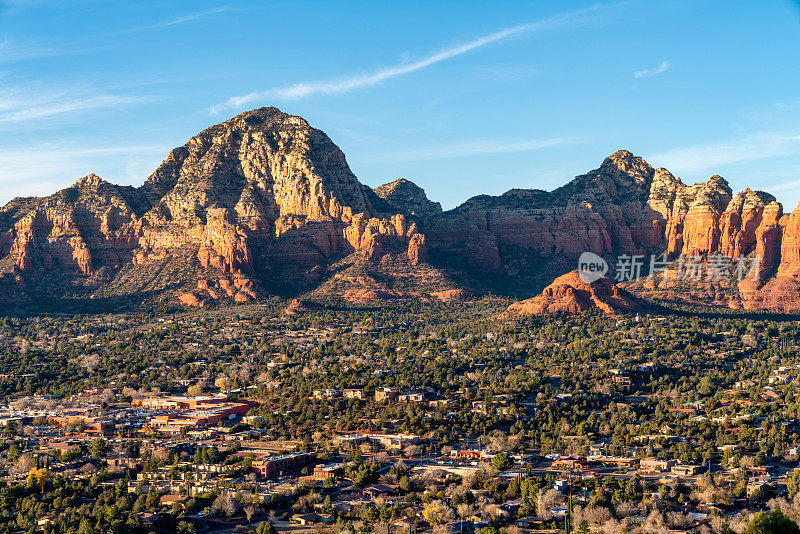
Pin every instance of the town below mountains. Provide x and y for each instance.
(255, 342)
(444, 417)
(264, 207)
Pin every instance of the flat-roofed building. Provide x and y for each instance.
(322, 472)
(284, 464)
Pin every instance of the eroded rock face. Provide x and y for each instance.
(769, 235)
(696, 216)
(623, 207)
(262, 181)
(237, 288)
(268, 179)
(602, 211)
(570, 294)
(264, 195)
(408, 198)
(86, 225)
(777, 287)
(740, 221)
(417, 251)
(790, 245)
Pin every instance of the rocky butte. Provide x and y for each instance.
(569, 294)
(264, 204)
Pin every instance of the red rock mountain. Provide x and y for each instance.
(625, 207)
(265, 204)
(260, 197)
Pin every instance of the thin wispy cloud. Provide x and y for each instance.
(785, 186)
(14, 50)
(13, 110)
(188, 18)
(712, 156)
(646, 73)
(343, 85)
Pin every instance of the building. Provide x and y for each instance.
(388, 441)
(412, 397)
(173, 423)
(357, 394)
(285, 464)
(571, 463)
(322, 472)
(385, 394)
(756, 486)
(779, 379)
(655, 465)
(178, 403)
(174, 500)
(312, 519)
(685, 470)
(619, 462)
(465, 454)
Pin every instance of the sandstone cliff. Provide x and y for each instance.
(246, 198)
(623, 207)
(264, 203)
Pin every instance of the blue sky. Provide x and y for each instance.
(460, 97)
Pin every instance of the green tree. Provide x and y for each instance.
(266, 527)
(86, 527)
(793, 484)
(98, 448)
(502, 461)
(773, 523)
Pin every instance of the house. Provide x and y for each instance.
(655, 465)
(479, 407)
(621, 380)
(385, 394)
(357, 394)
(684, 470)
(312, 519)
(147, 518)
(252, 419)
(756, 486)
(531, 523)
(173, 499)
(465, 454)
(412, 397)
(779, 379)
(388, 441)
(378, 490)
